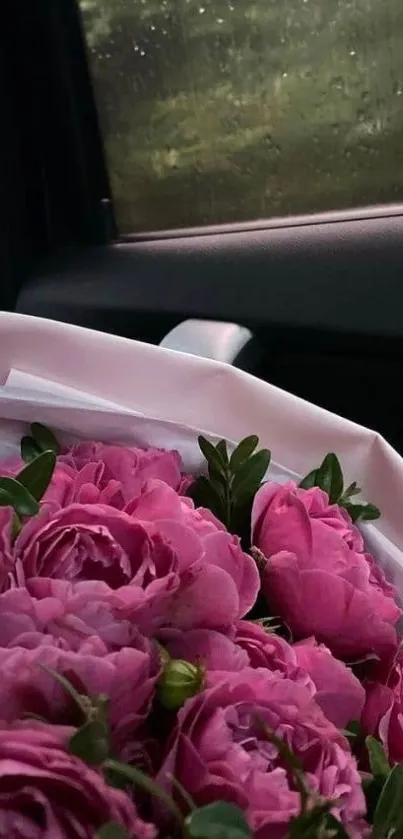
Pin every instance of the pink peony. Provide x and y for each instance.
(336, 690)
(46, 793)
(127, 468)
(127, 678)
(69, 612)
(383, 712)
(220, 750)
(317, 576)
(169, 563)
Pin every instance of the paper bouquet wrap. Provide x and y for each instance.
(163, 673)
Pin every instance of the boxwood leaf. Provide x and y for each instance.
(91, 743)
(44, 438)
(243, 451)
(37, 475)
(220, 820)
(329, 477)
(29, 449)
(250, 475)
(388, 816)
(14, 494)
(310, 480)
(378, 760)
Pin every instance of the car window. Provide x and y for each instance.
(218, 111)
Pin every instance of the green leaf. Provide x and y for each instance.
(13, 494)
(370, 513)
(324, 475)
(243, 452)
(335, 828)
(310, 480)
(250, 475)
(37, 475)
(378, 760)
(29, 449)
(351, 490)
(44, 438)
(205, 493)
(353, 729)
(91, 743)
(222, 449)
(220, 820)
(135, 776)
(329, 477)
(362, 512)
(16, 527)
(111, 830)
(388, 817)
(212, 455)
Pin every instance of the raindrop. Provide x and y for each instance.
(152, 27)
(220, 20)
(142, 52)
(136, 48)
(285, 75)
(353, 52)
(201, 10)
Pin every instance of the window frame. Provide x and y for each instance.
(141, 285)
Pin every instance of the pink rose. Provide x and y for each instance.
(220, 750)
(127, 677)
(127, 468)
(336, 690)
(383, 712)
(169, 563)
(317, 576)
(68, 612)
(46, 793)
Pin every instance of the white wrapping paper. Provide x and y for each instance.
(88, 384)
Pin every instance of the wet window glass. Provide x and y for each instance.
(231, 110)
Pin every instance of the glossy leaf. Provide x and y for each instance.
(329, 477)
(309, 481)
(91, 743)
(362, 512)
(205, 493)
(29, 449)
(37, 475)
(212, 455)
(13, 494)
(378, 760)
(250, 475)
(388, 817)
(243, 451)
(222, 449)
(44, 438)
(220, 820)
(351, 490)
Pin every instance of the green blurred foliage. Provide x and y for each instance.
(227, 110)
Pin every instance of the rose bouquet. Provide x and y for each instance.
(197, 641)
(209, 656)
